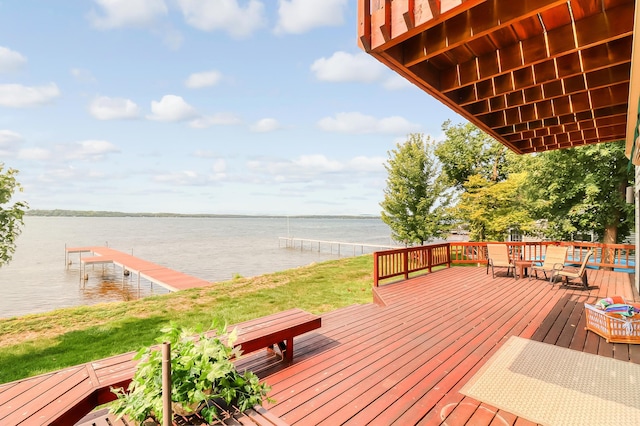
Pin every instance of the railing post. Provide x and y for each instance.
(376, 273)
(429, 256)
(167, 415)
(449, 255)
(405, 264)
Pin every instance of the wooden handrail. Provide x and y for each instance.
(404, 261)
(410, 260)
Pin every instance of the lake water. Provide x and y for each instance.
(214, 249)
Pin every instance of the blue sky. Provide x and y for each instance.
(200, 106)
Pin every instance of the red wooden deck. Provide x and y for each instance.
(399, 362)
(166, 277)
(404, 363)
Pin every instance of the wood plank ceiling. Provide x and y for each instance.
(537, 75)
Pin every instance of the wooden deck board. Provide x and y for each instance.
(405, 363)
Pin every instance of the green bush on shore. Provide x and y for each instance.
(40, 343)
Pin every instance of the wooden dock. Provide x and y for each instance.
(168, 278)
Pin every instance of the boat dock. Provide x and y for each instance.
(302, 243)
(168, 278)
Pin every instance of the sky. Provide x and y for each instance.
(200, 106)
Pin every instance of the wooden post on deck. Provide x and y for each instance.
(405, 264)
(167, 414)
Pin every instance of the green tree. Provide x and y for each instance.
(416, 196)
(489, 179)
(491, 209)
(468, 151)
(10, 214)
(583, 189)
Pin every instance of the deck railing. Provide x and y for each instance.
(411, 260)
(404, 261)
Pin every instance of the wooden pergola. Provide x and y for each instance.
(536, 75)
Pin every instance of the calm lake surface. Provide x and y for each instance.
(214, 249)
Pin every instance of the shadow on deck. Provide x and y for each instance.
(404, 363)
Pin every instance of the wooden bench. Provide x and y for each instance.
(275, 330)
(65, 396)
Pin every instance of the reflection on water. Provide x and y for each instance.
(100, 288)
(213, 249)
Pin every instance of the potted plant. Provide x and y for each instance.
(201, 374)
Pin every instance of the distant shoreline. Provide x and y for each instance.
(101, 213)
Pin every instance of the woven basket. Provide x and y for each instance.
(613, 327)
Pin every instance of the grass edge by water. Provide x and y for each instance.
(40, 343)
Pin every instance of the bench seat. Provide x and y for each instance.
(278, 329)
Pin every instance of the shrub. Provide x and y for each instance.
(201, 372)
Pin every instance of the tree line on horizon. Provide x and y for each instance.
(106, 213)
(471, 181)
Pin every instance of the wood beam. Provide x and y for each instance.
(364, 25)
(531, 52)
(633, 115)
(471, 27)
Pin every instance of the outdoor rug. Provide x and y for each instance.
(550, 385)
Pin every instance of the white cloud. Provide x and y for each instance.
(304, 165)
(171, 37)
(60, 174)
(397, 82)
(127, 13)
(171, 108)
(74, 179)
(90, 150)
(204, 154)
(10, 60)
(318, 162)
(314, 168)
(367, 164)
(199, 80)
(219, 169)
(220, 119)
(82, 75)
(219, 166)
(224, 15)
(266, 125)
(19, 96)
(9, 143)
(105, 108)
(299, 16)
(358, 123)
(186, 178)
(346, 67)
(34, 154)
(9, 138)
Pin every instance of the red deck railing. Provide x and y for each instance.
(404, 261)
(411, 260)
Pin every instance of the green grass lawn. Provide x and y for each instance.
(40, 343)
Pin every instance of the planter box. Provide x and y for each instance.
(613, 327)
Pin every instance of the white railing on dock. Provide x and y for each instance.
(310, 244)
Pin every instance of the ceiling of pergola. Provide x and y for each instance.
(536, 75)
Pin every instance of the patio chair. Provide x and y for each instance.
(554, 260)
(575, 273)
(498, 257)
